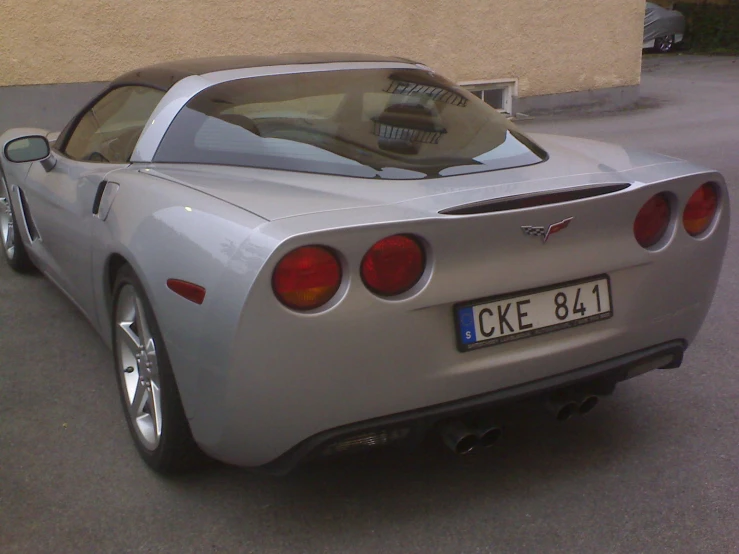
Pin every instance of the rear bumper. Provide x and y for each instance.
(310, 386)
(599, 378)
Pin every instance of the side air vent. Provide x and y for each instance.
(532, 200)
(27, 219)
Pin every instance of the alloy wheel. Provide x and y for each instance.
(666, 43)
(138, 367)
(7, 229)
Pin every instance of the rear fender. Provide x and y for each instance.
(163, 231)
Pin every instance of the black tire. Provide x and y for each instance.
(19, 260)
(176, 451)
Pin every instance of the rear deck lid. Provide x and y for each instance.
(275, 194)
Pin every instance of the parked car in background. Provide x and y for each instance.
(663, 28)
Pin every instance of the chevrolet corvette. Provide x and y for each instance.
(301, 255)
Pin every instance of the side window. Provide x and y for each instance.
(108, 131)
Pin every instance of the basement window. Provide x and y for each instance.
(496, 92)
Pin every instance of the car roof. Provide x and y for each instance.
(164, 75)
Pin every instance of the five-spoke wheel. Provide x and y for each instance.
(149, 393)
(12, 245)
(137, 352)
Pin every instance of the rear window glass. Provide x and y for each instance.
(388, 123)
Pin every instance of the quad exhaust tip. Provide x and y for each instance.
(490, 436)
(565, 409)
(461, 439)
(588, 404)
(458, 437)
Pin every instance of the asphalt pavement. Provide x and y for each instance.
(653, 469)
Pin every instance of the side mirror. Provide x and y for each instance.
(31, 148)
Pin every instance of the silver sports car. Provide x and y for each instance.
(301, 255)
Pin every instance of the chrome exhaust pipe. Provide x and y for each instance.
(458, 437)
(567, 403)
(487, 430)
(567, 411)
(563, 409)
(588, 404)
(490, 436)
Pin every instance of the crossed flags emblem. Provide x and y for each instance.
(546, 232)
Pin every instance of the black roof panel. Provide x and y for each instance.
(164, 75)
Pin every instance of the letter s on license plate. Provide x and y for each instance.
(525, 314)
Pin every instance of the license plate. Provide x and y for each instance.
(519, 315)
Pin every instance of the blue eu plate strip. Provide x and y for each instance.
(467, 325)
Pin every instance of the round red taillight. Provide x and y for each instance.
(307, 277)
(700, 209)
(393, 265)
(652, 220)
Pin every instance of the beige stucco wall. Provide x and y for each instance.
(551, 46)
